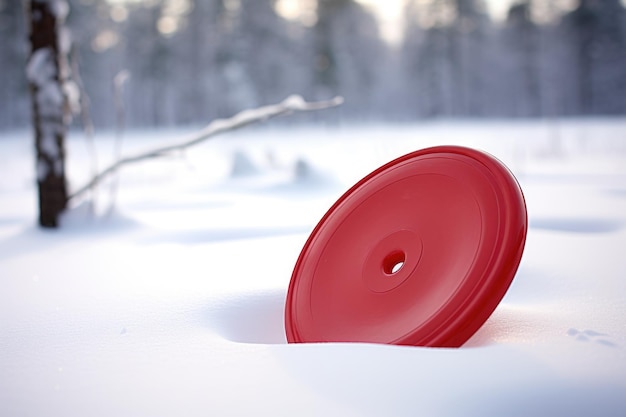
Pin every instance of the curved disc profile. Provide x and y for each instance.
(419, 252)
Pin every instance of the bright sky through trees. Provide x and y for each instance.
(389, 12)
(440, 63)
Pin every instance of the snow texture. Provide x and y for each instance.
(56, 96)
(65, 40)
(71, 92)
(243, 166)
(40, 67)
(41, 72)
(60, 9)
(172, 304)
(48, 143)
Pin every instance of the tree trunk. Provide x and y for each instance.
(47, 71)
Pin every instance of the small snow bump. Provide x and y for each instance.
(305, 173)
(60, 9)
(65, 41)
(48, 145)
(50, 100)
(72, 93)
(338, 100)
(40, 68)
(294, 102)
(43, 170)
(243, 166)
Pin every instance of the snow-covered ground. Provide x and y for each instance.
(169, 302)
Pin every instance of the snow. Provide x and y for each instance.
(172, 302)
(243, 166)
(59, 8)
(41, 72)
(56, 96)
(72, 93)
(42, 169)
(40, 67)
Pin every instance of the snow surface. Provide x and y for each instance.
(171, 303)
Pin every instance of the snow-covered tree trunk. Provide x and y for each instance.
(48, 74)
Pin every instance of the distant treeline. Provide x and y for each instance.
(190, 61)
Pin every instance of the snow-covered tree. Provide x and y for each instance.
(53, 96)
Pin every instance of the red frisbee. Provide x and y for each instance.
(419, 252)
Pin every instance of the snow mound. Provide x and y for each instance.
(243, 166)
(306, 173)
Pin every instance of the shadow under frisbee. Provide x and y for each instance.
(259, 319)
(576, 225)
(251, 318)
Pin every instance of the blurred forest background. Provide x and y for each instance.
(190, 61)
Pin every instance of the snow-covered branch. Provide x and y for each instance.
(292, 104)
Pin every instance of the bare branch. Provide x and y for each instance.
(290, 105)
(119, 81)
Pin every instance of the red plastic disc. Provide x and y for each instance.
(419, 252)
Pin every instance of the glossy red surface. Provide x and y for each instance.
(419, 252)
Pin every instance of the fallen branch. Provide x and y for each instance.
(290, 105)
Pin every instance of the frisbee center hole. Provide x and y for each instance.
(394, 262)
